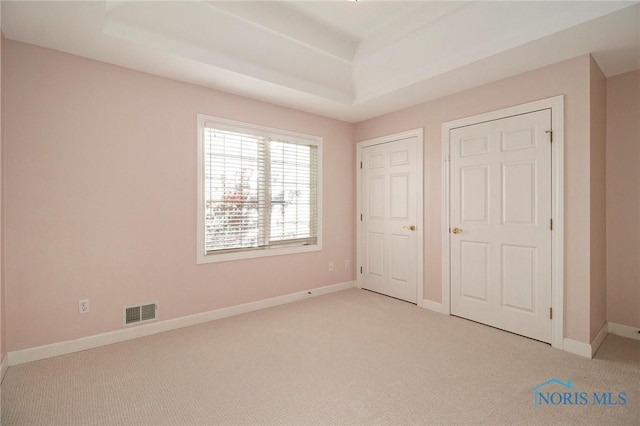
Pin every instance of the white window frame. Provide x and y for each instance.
(257, 130)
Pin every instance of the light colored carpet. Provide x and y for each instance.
(353, 357)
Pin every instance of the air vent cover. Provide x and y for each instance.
(139, 313)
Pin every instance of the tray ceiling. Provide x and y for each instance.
(342, 59)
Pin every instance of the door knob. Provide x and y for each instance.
(456, 230)
(410, 227)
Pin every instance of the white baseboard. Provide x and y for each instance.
(89, 342)
(595, 344)
(624, 331)
(4, 364)
(576, 348)
(433, 306)
(588, 351)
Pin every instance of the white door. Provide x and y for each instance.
(500, 218)
(389, 218)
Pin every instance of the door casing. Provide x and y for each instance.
(556, 104)
(419, 135)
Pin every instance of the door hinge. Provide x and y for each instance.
(551, 224)
(360, 217)
(361, 164)
(550, 135)
(361, 269)
(550, 313)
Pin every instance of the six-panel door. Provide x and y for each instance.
(500, 201)
(389, 214)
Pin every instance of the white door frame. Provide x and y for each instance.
(419, 135)
(556, 104)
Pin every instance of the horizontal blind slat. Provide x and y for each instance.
(254, 184)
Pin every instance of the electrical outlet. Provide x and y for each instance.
(331, 266)
(347, 263)
(83, 306)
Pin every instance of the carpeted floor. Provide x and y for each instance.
(353, 357)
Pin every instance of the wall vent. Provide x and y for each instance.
(139, 313)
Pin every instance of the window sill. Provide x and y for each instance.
(253, 254)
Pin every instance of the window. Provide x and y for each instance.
(258, 191)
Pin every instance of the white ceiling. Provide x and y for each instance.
(342, 59)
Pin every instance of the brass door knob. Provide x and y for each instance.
(410, 227)
(456, 230)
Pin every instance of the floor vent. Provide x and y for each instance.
(140, 313)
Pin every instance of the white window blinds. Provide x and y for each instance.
(260, 191)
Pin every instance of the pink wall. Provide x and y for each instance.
(598, 135)
(623, 199)
(100, 198)
(100, 191)
(571, 78)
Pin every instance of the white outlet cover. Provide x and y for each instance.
(83, 306)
